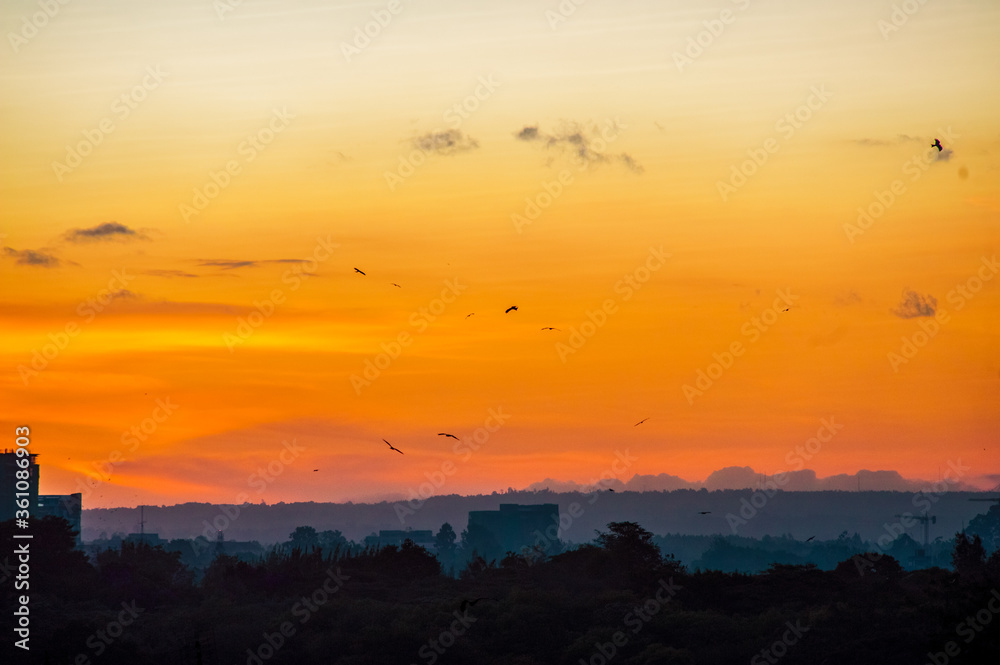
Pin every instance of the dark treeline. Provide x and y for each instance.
(620, 598)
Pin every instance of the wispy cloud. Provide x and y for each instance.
(447, 142)
(107, 231)
(630, 163)
(847, 298)
(227, 264)
(899, 138)
(35, 257)
(125, 294)
(577, 140)
(914, 305)
(170, 273)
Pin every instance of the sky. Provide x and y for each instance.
(243, 243)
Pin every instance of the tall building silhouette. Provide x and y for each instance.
(8, 484)
(67, 506)
(515, 526)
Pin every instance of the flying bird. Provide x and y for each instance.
(937, 144)
(393, 447)
(315, 470)
(705, 512)
(397, 285)
(512, 308)
(551, 328)
(610, 489)
(468, 315)
(640, 422)
(360, 271)
(810, 538)
(446, 434)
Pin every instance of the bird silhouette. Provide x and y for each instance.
(446, 434)
(393, 447)
(810, 538)
(397, 285)
(360, 271)
(705, 512)
(512, 308)
(937, 144)
(314, 470)
(640, 422)
(551, 328)
(468, 315)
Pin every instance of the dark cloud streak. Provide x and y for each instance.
(106, 231)
(915, 305)
(33, 257)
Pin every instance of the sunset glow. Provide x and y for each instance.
(735, 241)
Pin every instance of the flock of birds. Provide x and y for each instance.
(512, 308)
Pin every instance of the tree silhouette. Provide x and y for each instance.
(630, 545)
(968, 558)
(303, 538)
(869, 564)
(987, 526)
(56, 563)
(149, 574)
(444, 545)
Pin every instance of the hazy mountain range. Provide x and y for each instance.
(744, 477)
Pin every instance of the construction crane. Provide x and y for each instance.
(926, 520)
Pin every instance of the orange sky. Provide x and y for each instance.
(623, 133)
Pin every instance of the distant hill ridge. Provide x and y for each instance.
(745, 477)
